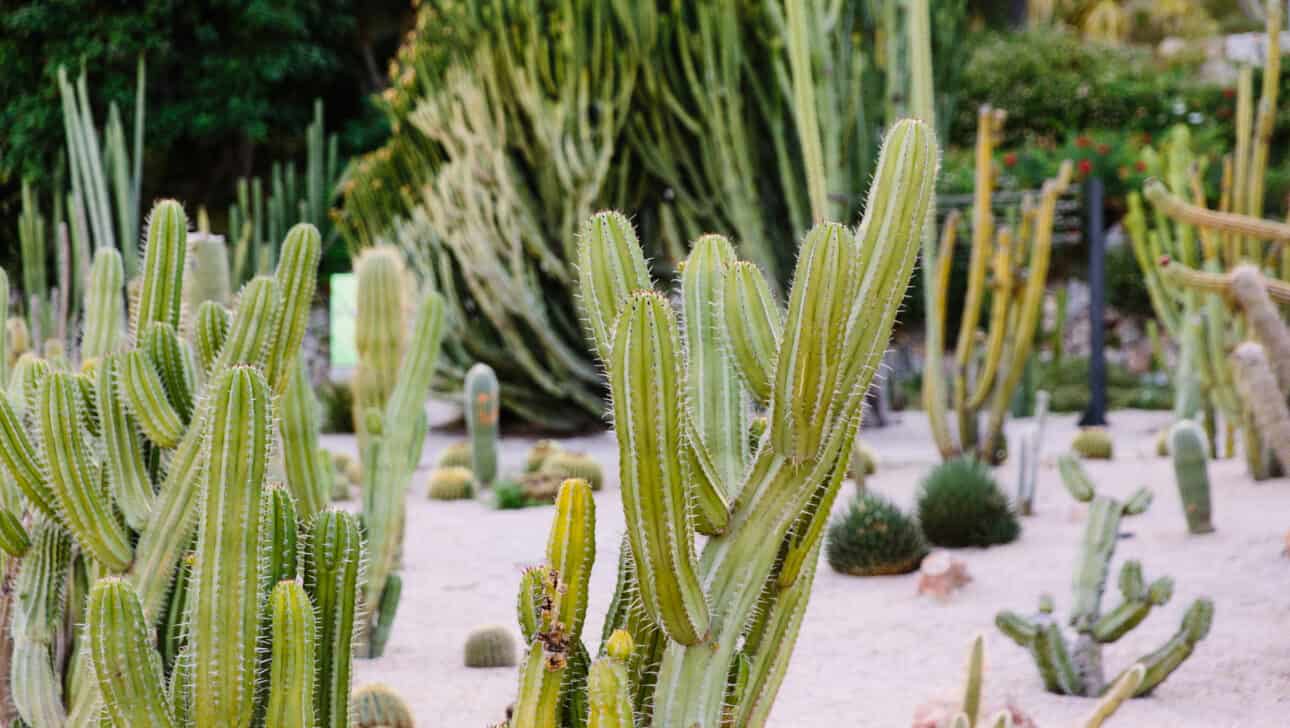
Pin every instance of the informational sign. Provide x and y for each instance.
(343, 311)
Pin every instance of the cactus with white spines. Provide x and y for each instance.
(1075, 667)
(740, 604)
(380, 331)
(104, 305)
(161, 449)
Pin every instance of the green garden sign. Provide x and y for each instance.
(343, 309)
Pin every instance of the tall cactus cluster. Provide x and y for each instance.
(1075, 668)
(1012, 264)
(141, 499)
(705, 639)
(1192, 253)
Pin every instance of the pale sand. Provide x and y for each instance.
(871, 651)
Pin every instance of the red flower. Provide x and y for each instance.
(1103, 149)
(1229, 93)
(1085, 167)
(1140, 165)
(1010, 159)
(1083, 142)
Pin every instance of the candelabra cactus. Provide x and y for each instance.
(737, 610)
(1017, 264)
(1077, 669)
(176, 440)
(483, 410)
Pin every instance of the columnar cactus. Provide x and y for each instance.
(1032, 443)
(176, 440)
(1076, 669)
(104, 305)
(483, 411)
(1188, 447)
(208, 272)
(741, 604)
(380, 330)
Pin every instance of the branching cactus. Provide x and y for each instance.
(697, 619)
(483, 410)
(1076, 668)
(157, 454)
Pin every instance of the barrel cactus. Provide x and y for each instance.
(455, 455)
(565, 465)
(1093, 443)
(872, 537)
(378, 706)
(449, 484)
(490, 647)
(960, 504)
(537, 455)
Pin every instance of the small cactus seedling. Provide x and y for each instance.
(449, 484)
(490, 647)
(564, 465)
(1093, 443)
(1191, 470)
(1076, 669)
(483, 414)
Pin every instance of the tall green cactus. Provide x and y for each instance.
(1188, 447)
(104, 305)
(483, 412)
(182, 457)
(380, 330)
(741, 602)
(1076, 669)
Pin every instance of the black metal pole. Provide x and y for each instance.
(1095, 415)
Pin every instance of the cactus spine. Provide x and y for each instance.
(847, 284)
(483, 411)
(1188, 448)
(1076, 669)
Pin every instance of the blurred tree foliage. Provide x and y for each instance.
(230, 84)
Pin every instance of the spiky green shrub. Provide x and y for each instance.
(960, 505)
(453, 483)
(490, 647)
(874, 538)
(1093, 443)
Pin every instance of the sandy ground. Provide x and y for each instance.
(870, 650)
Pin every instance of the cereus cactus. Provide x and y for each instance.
(1093, 443)
(155, 454)
(1191, 469)
(696, 621)
(483, 413)
(1076, 668)
(490, 647)
(395, 436)
(104, 305)
(1012, 264)
(208, 271)
(380, 330)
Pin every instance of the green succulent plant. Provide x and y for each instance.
(1093, 443)
(872, 537)
(493, 646)
(960, 504)
(453, 483)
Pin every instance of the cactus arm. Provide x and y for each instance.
(380, 334)
(1161, 663)
(714, 401)
(934, 396)
(1017, 628)
(482, 405)
(1075, 478)
(252, 325)
(644, 373)
(972, 686)
(22, 460)
(127, 474)
(227, 589)
(291, 673)
(1101, 532)
(210, 332)
(128, 668)
(146, 396)
(37, 692)
(388, 607)
(384, 521)
(104, 305)
(571, 551)
(82, 505)
(753, 325)
(611, 266)
(173, 635)
(14, 539)
(1053, 657)
(167, 354)
(1267, 114)
(1230, 223)
(298, 428)
(608, 688)
(332, 563)
(161, 297)
(1264, 319)
(37, 616)
(1122, 689)
(541, 675)
(999, 305)
(296, 275)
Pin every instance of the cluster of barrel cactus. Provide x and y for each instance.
(693, 641)
(1076, 669)
(1013, 265)
(145, 507)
